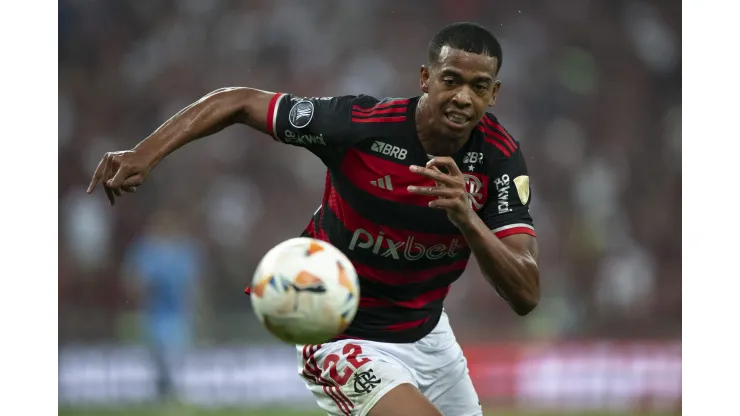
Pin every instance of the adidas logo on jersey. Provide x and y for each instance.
(383, 183)
(389, 150)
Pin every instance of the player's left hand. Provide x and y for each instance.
(450, 189)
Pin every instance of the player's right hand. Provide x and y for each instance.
(120, 173)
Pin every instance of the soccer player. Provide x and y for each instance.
(413, 187)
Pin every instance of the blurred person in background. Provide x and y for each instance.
(162, 267)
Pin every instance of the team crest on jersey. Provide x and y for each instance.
(474, 189)
(522, 188)
(301, 114)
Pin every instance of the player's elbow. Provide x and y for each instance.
(525, 306)
(528, 297)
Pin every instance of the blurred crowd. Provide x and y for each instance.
(591, 89)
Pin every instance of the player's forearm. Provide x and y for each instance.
(514, 275)
(205, 117)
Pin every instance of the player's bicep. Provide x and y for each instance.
(248, 106)
(507, 210)
(523, 244)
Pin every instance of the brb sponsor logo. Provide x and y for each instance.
(301, 139)
(473, 157)
(407, 250)
(502, 188)
(389, 150)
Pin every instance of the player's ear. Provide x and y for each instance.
(496, 87)
(424, 78)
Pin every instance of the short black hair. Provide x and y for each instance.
(468, 37)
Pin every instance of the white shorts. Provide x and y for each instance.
(348, 377)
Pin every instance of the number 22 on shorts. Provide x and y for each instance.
(351, 351)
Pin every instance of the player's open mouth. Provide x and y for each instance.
(457, 119)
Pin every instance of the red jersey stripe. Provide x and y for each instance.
(500, 146)
(500, 129)
(505, 232)
(394, 119)
(352, 221)
(391, 110)
(380, 168)
(489, 132)
(417, 303)
(272, 115)
(401, 102)
(392, 277)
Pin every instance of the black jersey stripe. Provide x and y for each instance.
(394, 324)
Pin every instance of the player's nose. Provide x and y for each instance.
(462, 97)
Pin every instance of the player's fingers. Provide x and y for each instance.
(442, 192)
(109, 194)
(434, 174)
(133, 181)
(444, 203)
(128, 189)
(96, 175)
(446, 162)
(121, 175)
(437, 182)
(107, 170)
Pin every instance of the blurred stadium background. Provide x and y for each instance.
(591, 89)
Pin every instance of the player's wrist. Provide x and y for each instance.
(468, 222)
(149, 154)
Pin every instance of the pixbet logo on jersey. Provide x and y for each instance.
(408, 250)
(389, 150)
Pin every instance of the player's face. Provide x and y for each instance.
(459, 87)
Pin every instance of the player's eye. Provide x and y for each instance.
(481, 87)
(449, 81)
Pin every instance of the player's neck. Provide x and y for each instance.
(432, 142)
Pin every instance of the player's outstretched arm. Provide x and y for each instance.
(121, 172)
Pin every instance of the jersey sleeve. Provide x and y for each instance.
(507, 210)
(322, 125)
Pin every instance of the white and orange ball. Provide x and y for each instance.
(305, 291)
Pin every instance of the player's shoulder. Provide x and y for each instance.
(382, 118)
(496, 140)
(359, 101)
(387, 110)
(371, 102)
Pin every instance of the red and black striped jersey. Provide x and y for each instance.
(406, 254)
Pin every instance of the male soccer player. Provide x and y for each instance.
(413, 187)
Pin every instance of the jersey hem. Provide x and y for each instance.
(512, 229)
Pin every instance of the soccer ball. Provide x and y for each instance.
(305, 291)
